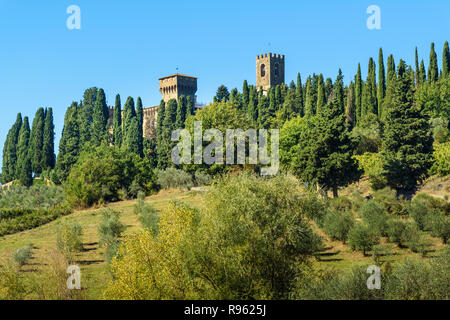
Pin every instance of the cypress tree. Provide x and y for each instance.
(252, 104)
(190, 107)
(263, 110)
(339, 91)
(358, 93)
(99, 119)
(309, 102)
(320, 95)
(69, 146)
(181, 112)
(140, 129)
(48, 156)
(433, 71)
(37, 142)
(23, 170)
(278, 98)
(422, 73)
(245, 94)
(407, 143)
(328, 89)
(446, 60)
(299, 95)
(381, 91)
(10, 151)
(417, 68)
(117, 122)
(85, 115)
(370, 92)
(132, 137)
(129, 113)
(159, 132)
(350, 109)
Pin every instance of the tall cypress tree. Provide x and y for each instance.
(422, 73)
(446, 60)
(37, 142)
(129, 112)
(358, 93)
(132, 137)
(320, 95)
(48, 156)
(339, 91)
(328, 89)
(417, 68)
(245, 94)
(117, 122)
(350, 109)
(140, 119)
(85, 115)
(309, 102)
(99, 119)
(407, 143)
(190, 107)
(370, 91)
(159, 131)
(433, 71)
(299, 95)
(253, 104)
(69, 146)
(381, 91)
(23, 169)
(181, 112)
(10, 151)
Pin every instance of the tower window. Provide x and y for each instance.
(263, 70)
(276, 69)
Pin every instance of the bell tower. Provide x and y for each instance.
(269, 70)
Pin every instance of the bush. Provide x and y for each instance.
(249, 243)
(69, 239)
(362, 238)
(387, 197)
(439, 127)
(23, 255)
(440, 226)
(373, 214)
(12, 285)
(148, 215)
(397, 231)
(441, 155)
(372, 165)
(338, 224)
(101, 173)
(173, 178)
(36, 197)
(110, 227)
(202, 179)
(419, 211)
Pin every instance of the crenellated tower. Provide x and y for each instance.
(269, 70)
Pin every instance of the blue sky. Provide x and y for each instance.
(125, 46)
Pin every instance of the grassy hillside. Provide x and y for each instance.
(92, 260)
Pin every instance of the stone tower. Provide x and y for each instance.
(269, 70)
(174, 86)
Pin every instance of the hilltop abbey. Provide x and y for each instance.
(269, 73)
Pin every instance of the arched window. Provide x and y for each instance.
(276, 69)
(263, 70)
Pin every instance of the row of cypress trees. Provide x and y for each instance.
(88, 123)
(29, 152)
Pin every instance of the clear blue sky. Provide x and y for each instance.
(125, 46)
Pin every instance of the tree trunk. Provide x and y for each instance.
(335, 191)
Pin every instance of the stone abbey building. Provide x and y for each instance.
(269, 73)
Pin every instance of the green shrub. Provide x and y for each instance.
(12, 284)
(362, 238)
(36, 197)
(341, 204)
(100, 173)
(69, 239)
(419, 211)
(380, 251)
(374, 215)
(441, 155)
(387, 197)
(397, 231)
(174, 178)
(434, 203)
(372, 165)
(23, 255)
(440, 226)
(439, 127)
(148, 215)
(338, 224)
(202, 179)
(110, 228)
